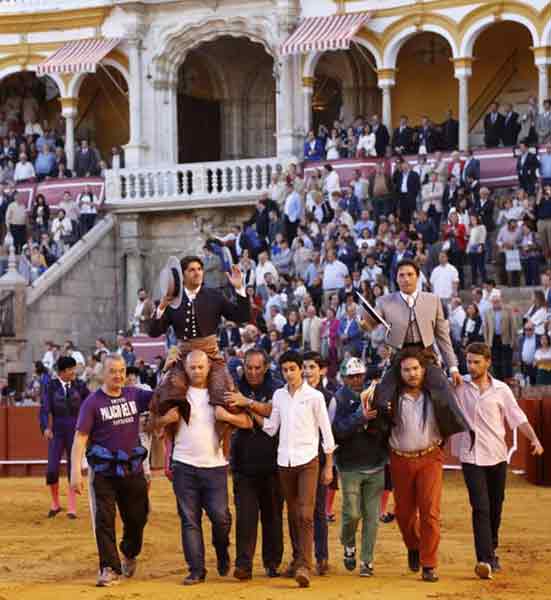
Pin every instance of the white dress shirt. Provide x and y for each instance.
(442, 280)
(299, 419)
(197, 443)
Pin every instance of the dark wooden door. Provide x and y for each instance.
(199, 129)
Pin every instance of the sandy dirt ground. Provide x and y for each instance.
(55, 559)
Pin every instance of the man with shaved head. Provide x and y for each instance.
(200, 470)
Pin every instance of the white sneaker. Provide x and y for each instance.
(107, 577)
(483, 570)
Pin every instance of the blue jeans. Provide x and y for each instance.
(199, 489)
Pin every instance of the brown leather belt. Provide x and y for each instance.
(419, 453)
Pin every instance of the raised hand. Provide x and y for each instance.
(235, 277)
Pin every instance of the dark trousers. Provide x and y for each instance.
(19, 234)
(478, 266)
(253, 496)
(457, 259)
(502, 359)
(290, 229)
(486, 487)
(199, 489)
(407, 207)
(87, 221)
(61, 442)
(129, 494)
(529, 371)
(299, 489)
(531, 269)
(321, 530)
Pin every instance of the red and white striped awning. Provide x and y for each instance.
(324, 33)
(79, 56)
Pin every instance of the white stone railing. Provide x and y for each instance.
(206, 181)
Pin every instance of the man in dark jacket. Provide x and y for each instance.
(260, 218)
(86, 164)
(493, 127)
(361, 454)
(527, 169)
(256, 485)
(511, 126)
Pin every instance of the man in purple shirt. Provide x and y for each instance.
(108, 427)
(487, 404)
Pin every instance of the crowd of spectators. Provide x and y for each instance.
(42, 234)
(369, 138)
(313, 242)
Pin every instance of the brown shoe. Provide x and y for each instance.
(290, 571)
(242, 574)
(303, 577)
(322, 568)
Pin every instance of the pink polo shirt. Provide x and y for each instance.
(486, 414)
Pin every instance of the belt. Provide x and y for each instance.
(419, 453)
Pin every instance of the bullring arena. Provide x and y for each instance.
(55, 559)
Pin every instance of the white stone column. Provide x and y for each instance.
(386, 81)
(463, 71)
(69, 113)
(284, 107)
(543, 84)
(307, 94)
(134, 150)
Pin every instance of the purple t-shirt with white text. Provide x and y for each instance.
(114, 423)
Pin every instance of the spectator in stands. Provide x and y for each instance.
(485, 209)
(382, 137)
(450, 132)
(24, 171)
(508, 257)
(45, 164)
(7, 171)
(88, 204)
(40, 216)
(471, 167)
(528, 344)
(62, 230)
(292, 212)
(313, 147)
(408, 186)
(63, 172)
(500, 333)
(542, 361)
(543, 123)
(70, 206)
(444, 279)
(86, 162)
(16, 222)
(528, 122)
(493, 126)
(475, 249)
(432, 193)
(402, 138)
(48, 249)
(530, 254)
(511, 126)
(116, 158)
(527, 169)
(426, 137)
(543, 213)
(472, 330)
(366, 144)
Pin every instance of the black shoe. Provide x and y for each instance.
(366, 569)
(71, 516)
(414, 562)
(53, 512)
(242, 574)
(349, 558)
(429, 574)
(387, 518)
(272, 572)
(193, 579)
(223, 565)
(290, 571)
(496, 566)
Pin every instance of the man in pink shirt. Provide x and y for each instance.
(487, 404)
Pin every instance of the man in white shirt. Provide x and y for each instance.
(299, 413)
(456, 318)
(200, 471)
(265, 266)
(371, 272)
(332, 182)
(444, 279)
(24, 170)
(334, 272)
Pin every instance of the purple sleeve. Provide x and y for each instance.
(143, 399)
(86, 415)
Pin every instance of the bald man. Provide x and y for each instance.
(200, 471)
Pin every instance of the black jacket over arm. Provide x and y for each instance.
(211, 305)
